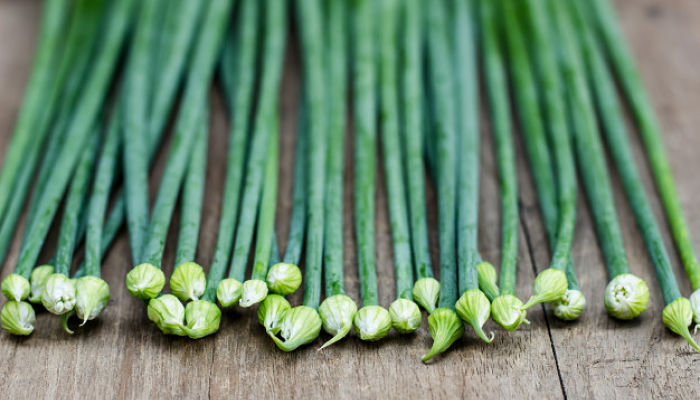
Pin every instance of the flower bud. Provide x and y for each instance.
(549, 285)
(474, 308)
(254, 291)
(188, 281)
(203, 318)
(426, 292)
(168, 314)
(626, 296)
(445, 328)
(271, 312)
(570, 306)
(372, 323)
(487, 276)
(15, 287)
(145, 281)
(284, 278)
(37, 281)
(18, 317)
(92, 296)
(695, 305)
(677, 316)
(507, 310)
(405, 316)
(300, 325)
(336, 314)
(229, 292)
(59, 294)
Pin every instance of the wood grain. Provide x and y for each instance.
(124, 356)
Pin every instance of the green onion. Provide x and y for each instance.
(445, 326)
(675, 316)
(623, 63)
(301, 325)
(228, 291)
(146, 280)
(372, 322)
(473, 306)
(506, 309)
(405, 315)
(626, 296)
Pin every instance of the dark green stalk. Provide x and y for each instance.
(273, 50)
(365, 117)
(135, 126)
(337, 73)
(297, 223)
(86, 113)
(412, 125)
(193, 195)
(626, 71)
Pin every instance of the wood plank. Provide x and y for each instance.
(598, 356)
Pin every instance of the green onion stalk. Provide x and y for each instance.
(16, 286)
(626, 295)
(337, 310)
(301, 325)
(372, 322)
(405, 314)
(473, 307)
(626, 71)
(558, 193)
(677, 314)
(239, 61)
(146, 280)
(506, 309)
(444, 324)
(551, 284)
(426, 289)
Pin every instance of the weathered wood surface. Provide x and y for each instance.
(123, 355)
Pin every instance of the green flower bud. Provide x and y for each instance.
(487, 279)
(336, 314)
(92, 295)
(284, 278)
(168, 314)
(549, 285)
(37, 281)
(507, 310)
(203, 318)
(300, 325)
(59, 294)
(445, 328)
(271, 312)
(18, 318)
(405, 316)
(695, 305)
(372, 323)
(254, 291)
(570, 306)
(475, 308)
(229, 292)
(145, 281)
(15, 287)
(426, 292)
(188, 281)
(677, 316)
(626, 296)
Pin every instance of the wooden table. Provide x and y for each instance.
(122, 355)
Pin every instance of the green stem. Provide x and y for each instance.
(444, 134)
(336, 56)
(467, 92)
(610, 111)
(623, 63)
(497, 89)
(241, 95)
(363, 81)
(297, 223)
(588, 146)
